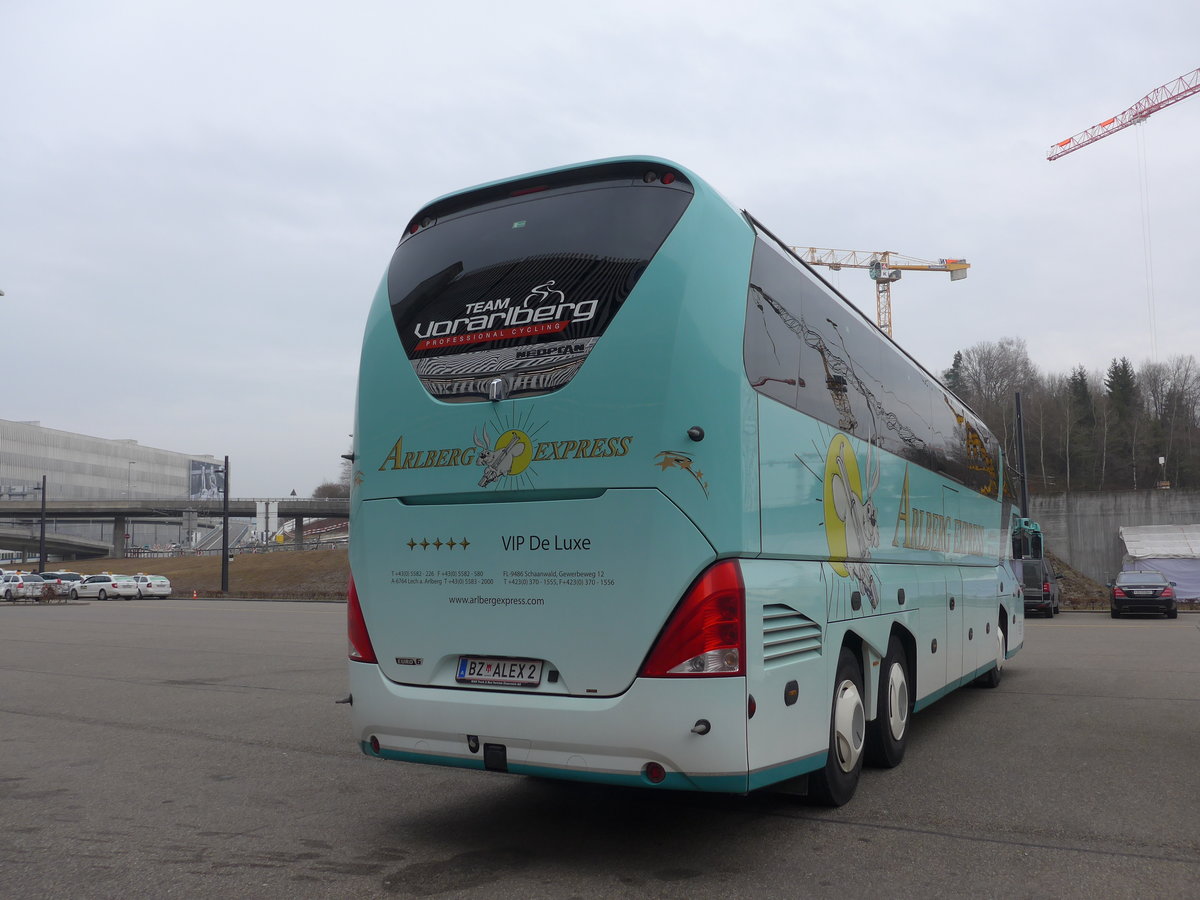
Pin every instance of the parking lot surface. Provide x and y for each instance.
(193, 749)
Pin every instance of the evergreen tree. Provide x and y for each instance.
(1121, 386)
(953, 376)
(1081, 432)
(1121, 390)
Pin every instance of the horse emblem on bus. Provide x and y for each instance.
(851, 520)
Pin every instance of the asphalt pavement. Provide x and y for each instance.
(193, 749)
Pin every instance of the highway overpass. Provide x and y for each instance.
(26, 516)
(27, 540)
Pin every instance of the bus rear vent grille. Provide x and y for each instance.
(788, 636)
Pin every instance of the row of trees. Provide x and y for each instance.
(1088, 431)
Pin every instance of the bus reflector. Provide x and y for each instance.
(356, 629)
(706, 634)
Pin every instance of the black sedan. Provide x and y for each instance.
(1142, 592)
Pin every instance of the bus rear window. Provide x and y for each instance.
(507, 296)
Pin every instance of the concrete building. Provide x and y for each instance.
(80, 467)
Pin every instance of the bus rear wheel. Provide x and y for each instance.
(835, 784)
(991, 678)
(887, 736)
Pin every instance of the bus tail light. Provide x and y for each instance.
(356, 629)
(706, 635)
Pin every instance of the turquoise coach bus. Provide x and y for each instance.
(640, 499)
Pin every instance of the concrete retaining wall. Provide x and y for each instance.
(1082, 528)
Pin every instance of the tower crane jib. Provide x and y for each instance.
(884, 267)
(1159, 98)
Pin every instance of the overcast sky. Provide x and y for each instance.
(198, 199)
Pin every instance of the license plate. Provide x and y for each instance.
(494, 670)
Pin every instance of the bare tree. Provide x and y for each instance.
(339, 488)
(991, 374)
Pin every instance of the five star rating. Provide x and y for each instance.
(437, 543)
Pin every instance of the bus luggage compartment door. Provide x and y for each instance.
(561, 596)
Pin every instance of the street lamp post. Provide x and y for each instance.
(128, 501)
(225, 531)
(42, 531)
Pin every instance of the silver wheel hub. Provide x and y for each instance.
(897, 690)
(849, 725)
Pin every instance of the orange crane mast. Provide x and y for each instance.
(884, 267)
(1159, 98)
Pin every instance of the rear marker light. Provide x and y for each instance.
(356, 628)
(705, 635)
(668, 178)
(654, 772)
(374, 744)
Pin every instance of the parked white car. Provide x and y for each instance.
(62, 582)
(21, 586)
(105, 586)
(152, 586)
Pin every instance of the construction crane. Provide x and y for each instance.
(884, 267)
(1159, 98)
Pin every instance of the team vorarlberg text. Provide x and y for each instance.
(550, 309)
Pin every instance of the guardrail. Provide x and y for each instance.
(288, 547)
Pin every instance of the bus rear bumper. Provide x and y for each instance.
(599, 739)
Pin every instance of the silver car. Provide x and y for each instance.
(61, 581)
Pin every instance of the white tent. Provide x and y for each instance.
(1173, 550)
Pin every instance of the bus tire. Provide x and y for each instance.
(887, 736)
(834, 785)
(991, 678)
